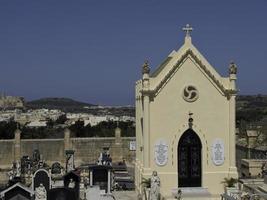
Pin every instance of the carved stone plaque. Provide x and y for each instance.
(190, 93)
(217, 149)
(132, 146)
(161, 152)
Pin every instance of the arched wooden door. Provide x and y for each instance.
(189, 160)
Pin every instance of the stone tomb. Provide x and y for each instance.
(100, 175)
(17, 191)
(252, 168)
(41, 176)
(72, 181)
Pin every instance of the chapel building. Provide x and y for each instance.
(185, 123)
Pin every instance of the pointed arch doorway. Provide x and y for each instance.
(189, 160)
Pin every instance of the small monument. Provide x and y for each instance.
(18, 169)
(26, 164)
(71, 184)
(36, 156)
(69, 160)
(40, 192)
(41, 177)
(56, 168)
(104, 158)
(155, 187)
(15, 171)
(264, 172)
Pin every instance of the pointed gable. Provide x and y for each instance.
(175, 61)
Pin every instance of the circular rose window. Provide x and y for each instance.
(190, 93)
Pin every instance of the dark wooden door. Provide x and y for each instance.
(189, 160)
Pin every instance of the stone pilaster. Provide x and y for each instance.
(118, 135)
(232, 119)
(146, 120)
(17, 146)
(232, 137)
(67, 143)
(118, 151)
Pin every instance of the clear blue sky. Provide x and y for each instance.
(93, 50)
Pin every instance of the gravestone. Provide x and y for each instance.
(69, 160)
(40, 192)
(41, 176)
(56, 168)
(15, 173)
(36, 156)
(26, 164)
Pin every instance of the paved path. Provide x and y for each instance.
(125, 195)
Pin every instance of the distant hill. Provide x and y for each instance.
(57, 103)
(251, 101)
(251, 108)
(70, 105)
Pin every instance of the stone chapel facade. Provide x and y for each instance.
(185, 123)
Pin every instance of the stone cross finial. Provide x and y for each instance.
(232, 68)
(187, 29)
(146, 68)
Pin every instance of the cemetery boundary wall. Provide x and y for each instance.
(87, 150)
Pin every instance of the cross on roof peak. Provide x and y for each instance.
(187, 29)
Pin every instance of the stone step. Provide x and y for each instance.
(195, 198)
(194, 193)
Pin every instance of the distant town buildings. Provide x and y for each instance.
(11, 101)
(40, 117)
(93, 120)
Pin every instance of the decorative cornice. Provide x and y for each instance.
(189, 52)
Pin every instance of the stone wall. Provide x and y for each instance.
(6, 152)
(51, 149)
(87, 150)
